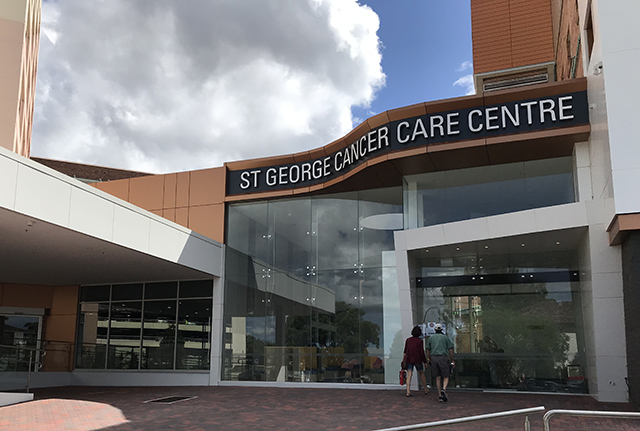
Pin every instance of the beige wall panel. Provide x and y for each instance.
(19, 295)
(207, 186)
(7, 123)
(65, 300)
(170, 184)
(117, 188)
(11, 36)
(60, 328)
(182, 189)
(208, 220)
(13, 10)
(182, 217)
(147, 192)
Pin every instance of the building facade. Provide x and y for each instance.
(509, 216)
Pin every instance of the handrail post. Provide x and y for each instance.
(29, 370)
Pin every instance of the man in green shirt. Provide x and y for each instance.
(439, 353)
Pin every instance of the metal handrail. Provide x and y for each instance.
(31, 360)
(586, 413)
(466, 419)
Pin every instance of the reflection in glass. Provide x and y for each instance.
(159, 334)
(444, 197)
(166, 334)
(309, 308)
(92, 335)
(509, 332)
(20, 331)
(193, 348)
(124, 335)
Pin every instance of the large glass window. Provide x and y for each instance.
(304, 288)
(443, 197)
(165, 325)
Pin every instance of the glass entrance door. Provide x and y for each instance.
(522, 337)
(18, 331)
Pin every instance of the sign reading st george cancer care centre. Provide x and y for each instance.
(559, 111)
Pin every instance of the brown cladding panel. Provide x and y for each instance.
(258, 163)
(147, 192)
(535, 145)
(459, 159)
(407, 112)
(207, 187)
(378, 120)
(117, 188)
(309, 155)
(336, 145)
(414, 165)
(170, 184)
(60, 328)
(510, 33)
(19, 295)
(457, 103)
(182, 189)
(356, 133)
(65, 300)
(490, 28)
(169, 214)
(182, 216)
(208, 220)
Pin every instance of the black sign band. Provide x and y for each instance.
(560, 111)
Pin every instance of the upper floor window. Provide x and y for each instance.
(444, 197)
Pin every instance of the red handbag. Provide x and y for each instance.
(403, 377)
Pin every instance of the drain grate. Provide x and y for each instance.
(169, 400)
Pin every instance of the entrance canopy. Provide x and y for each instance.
(56, 230)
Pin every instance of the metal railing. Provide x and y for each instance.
(470, 419)
(587, 413)
(31, 356)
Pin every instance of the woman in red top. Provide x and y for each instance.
(414, 357)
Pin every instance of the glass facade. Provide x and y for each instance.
(311, 290)
(156, 326)
(305, 282)
(444, 197)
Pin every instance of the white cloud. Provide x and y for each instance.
(162, 85)
(466, 82)
(466, 65)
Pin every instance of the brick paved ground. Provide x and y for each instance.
(259, 408)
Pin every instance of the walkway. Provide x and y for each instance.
(247, 408)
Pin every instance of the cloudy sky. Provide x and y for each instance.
(166, 85)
